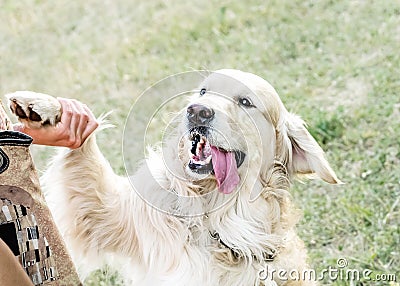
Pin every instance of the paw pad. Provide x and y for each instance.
(35, 109)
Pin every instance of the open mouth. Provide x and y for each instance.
(206, 158)
(201, 152)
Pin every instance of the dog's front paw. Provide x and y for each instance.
(33, 109)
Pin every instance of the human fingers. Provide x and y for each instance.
(67, 111)
(82, 119)
(69, 124)
(92, 123)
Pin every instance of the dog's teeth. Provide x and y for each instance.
(198, 149)
(207, 149)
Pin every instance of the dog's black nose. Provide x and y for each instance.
(199, 114)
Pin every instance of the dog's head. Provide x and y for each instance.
(236, 121)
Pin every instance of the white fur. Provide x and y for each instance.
(102, 216)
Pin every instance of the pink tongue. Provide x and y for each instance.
(225, 170)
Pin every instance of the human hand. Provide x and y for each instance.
(76, 124)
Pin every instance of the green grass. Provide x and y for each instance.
(335, 63)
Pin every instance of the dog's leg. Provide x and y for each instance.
(99, 212)
(92, 206)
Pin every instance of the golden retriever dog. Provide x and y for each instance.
(211, 207)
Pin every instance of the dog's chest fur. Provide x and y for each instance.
(220, 245)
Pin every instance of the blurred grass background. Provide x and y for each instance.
(335, 63)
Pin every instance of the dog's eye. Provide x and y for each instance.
(202, 91)
(245, 102)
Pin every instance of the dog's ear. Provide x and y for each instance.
(307, 157)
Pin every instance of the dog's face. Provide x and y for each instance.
(236, 121)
